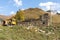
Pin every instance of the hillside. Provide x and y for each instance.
(3, 17)
(56, 18)
(33, 13)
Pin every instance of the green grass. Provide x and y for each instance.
(21, 33)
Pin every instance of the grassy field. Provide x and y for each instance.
(35, 33)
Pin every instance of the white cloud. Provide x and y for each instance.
(12, 12)
(58, 11)
(18, 2)
(50, 5)
(22, 9)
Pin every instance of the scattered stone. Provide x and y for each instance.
(36, 30)
(42, 31)
(50, 33)
(30, 27)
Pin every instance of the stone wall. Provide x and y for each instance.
(42, 21)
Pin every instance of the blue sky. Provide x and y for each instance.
(8, 7)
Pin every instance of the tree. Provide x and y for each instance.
(20, 16)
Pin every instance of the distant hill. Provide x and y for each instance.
(56, 18)
(4, 17)
(30, 13)
(33, 13)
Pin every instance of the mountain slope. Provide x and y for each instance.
(33, 13)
